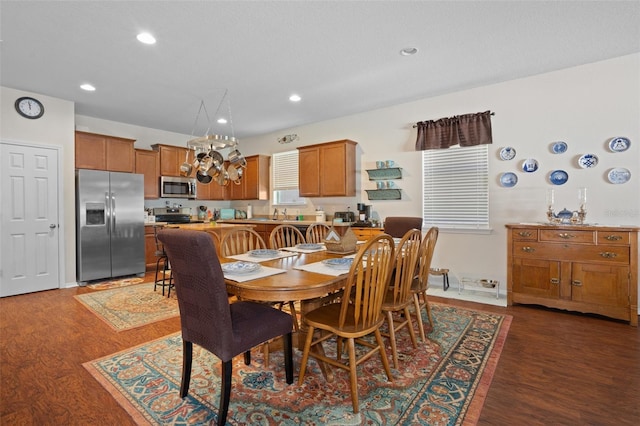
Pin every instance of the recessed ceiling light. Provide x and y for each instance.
(222, 121)
(146, 38)
(88, 87)
(408, 51)
(295, 98)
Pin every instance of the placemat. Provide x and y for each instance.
(264, 271)
(321, 268)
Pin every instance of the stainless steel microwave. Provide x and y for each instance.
(177, 187)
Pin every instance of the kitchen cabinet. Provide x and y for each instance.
(365, 234)
(211, 191)
(254, 184)
(580, 268)
(171, 158)
(101, 152)
(328, 169)
(150, 247)
(147, 163)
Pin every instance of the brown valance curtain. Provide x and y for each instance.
(463, 130)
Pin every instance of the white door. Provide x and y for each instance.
(28, 219)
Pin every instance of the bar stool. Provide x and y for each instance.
(445, 276)
(162, 259)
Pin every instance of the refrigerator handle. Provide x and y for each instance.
(107, 204)
(113, 212)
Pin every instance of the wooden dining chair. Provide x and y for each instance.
(421, 279)
(397, 226)
(316, 232)
(239, 241)
(399, 296)
(285, 236)
(209, 320)
(356, 316)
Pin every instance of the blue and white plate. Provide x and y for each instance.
(530, 165)
(507, 153)
(558, 177)
(309, 246)
(264, 253)
(240, 268)
(508, 179)
(588, 161)
(619, 175)
(619, 144)
(559, 147)
(339, 263)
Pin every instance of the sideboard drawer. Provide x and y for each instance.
(568, 236)
(571, 252)
(525, 234)
(613, 237)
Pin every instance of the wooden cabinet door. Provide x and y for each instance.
(171, 158)
(336, 171)
(536, 277)
(150, 248)
(309, 172)
(148, 163)
(90, 151)
(600, 284)
(120, 155)
(254, 184)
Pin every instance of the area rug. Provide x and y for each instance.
(131, 306)
(443, 382)
(106, 285)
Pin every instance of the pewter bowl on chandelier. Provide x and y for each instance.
(208, 162)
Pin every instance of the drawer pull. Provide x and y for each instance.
(566, 236)
(613, 237)
(555, 281)
(577, 283)
(608, 254)
(528, 249)
(524, 233)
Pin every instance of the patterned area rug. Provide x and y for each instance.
(105, 285)
(443, 382)
(131, 306)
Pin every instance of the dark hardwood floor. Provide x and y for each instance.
(556, 368)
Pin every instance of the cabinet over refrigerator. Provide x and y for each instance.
(109, 224)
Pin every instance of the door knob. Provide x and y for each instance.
(52, 226)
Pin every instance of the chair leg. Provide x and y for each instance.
(427, 307)
(288, 357)
(383, 354)
(187, 355)
(392, 339)
(353, 376)
(247, 357)
(227, 368)
(409, 325)
(305, 356)
(416, 304)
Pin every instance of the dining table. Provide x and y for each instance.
(287, 282)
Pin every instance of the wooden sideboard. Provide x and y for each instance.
(590, 269)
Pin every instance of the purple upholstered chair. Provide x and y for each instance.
(209, 320)
(397, 226)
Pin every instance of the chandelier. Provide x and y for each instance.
(208, 162)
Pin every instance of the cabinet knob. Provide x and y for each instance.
(528, 249)
(608, 254)
(524, 233)
(555, 281)
(613, 237)
(577, 283)
(566, 235)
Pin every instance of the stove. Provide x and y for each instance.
(172, 215)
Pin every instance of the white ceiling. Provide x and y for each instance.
(342, 57)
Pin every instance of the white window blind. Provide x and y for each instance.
(456, 187)
(284, 178)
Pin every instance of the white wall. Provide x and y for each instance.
(584, 106)
(55, 127)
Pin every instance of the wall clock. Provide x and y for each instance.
(29, 107)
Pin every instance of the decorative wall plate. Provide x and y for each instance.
(558, 177)
(619, 175)
(508, 179)
(507, 153)
(530, 165)
(588, 161)
(619, 144)
(559, 147)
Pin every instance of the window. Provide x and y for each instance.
(456, 188)
(284, 178)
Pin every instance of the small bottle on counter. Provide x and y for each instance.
(249, 212)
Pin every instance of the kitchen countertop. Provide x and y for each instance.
(257, 221)
(200, 226)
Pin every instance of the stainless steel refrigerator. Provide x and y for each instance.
(110, 224)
